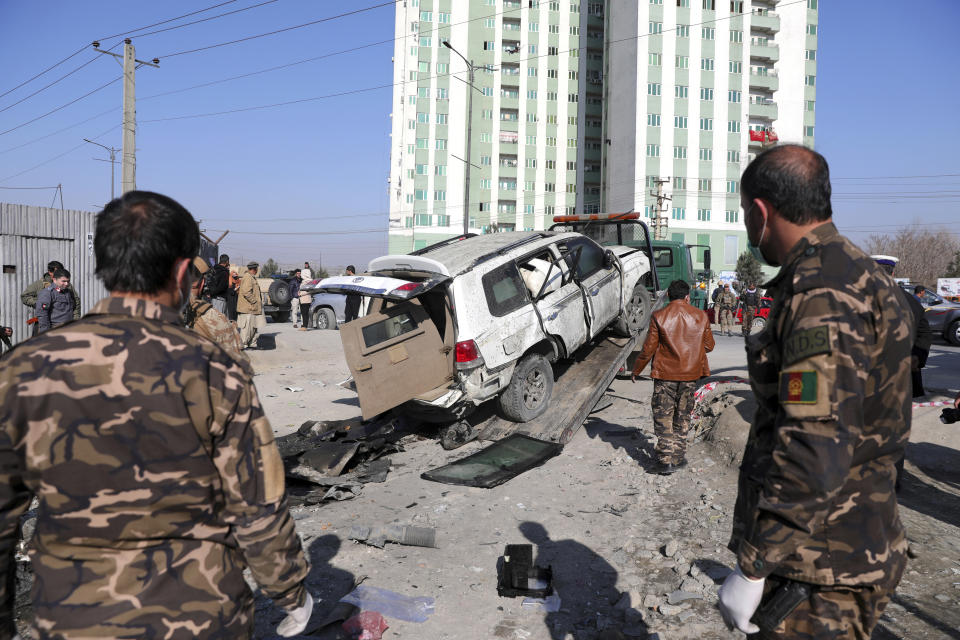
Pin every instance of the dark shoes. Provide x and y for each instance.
(669, 468)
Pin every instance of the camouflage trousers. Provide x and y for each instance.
(749, 313)
(672, 404)
(726, 321)
(830, 614)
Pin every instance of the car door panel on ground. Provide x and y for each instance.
(600, 285)
(394, 354)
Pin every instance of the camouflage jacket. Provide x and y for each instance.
(831, 374)
(30, 294)
(158, 478)
(727, 301)
(213, 325)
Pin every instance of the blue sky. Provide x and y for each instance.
(886, 106)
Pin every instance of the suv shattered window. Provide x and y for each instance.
(388, 328)
(504, 290)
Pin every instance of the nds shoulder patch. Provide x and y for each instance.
(799, 387)
(806, 343)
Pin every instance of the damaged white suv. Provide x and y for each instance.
(480, 317)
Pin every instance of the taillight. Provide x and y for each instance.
(406, 288)
(467, 355)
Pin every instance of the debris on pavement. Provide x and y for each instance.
(366, 625)
(550, 604)
(401, 534)
(497, 463)
(391, 604)
(294, 389)
(519, 576)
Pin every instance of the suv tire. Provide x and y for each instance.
(527, 395)
(635, 319)
(280, 292)
(323, 318)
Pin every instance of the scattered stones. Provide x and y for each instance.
(651, 601)
(692, 585)
(670, 549)
(680, 596)
(942, 598)
(670, 610)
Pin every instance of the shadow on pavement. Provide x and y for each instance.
(941, 464)
(267, 341)
(585, 582)
(633, 442)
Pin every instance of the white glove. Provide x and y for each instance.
(297, 619)
(739, 598)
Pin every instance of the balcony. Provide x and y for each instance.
(511, 25)
(510, 70)
(765, 20)
(764, 108)
(511, 46)
(765, 50)
(767, 81)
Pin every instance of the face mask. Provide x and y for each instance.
(756, 251)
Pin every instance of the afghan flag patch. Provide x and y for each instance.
(798, 387)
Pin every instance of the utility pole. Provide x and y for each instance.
(112, 161)
(128, 180)
(660, 220)
(468, 160)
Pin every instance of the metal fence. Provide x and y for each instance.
(30, 237)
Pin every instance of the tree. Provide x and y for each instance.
(268, 268)
(748, 270)
(953, 269)
(925, 255)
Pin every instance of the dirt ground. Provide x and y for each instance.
(631, 552)
(620, 540)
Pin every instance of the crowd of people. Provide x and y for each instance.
(173, 486)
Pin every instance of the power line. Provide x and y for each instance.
(220, 15)
(31, 188)
(157, 24)
(63, 106)
(68, 127)
(50, 68)
(44, 88)
(270, 33)
(936, 175)
(56, 157)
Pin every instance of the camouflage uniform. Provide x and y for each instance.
(213, 325)
(671, 405)
(727, 303)
(831, 374)
(750, 301)
(158, 478)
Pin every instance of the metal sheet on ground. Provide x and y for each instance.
(496, 464)
(579, 385)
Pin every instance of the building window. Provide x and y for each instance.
(810, 54)
(733, 156)
(733, 126)
(682, 62)
(551, 164)
(810, 81)
(421, 169)
(683, 31)
(734, 96)
(571, 142)
(531, 94)
(532, 48)
(420, 194)
(655, 27)
(574, 31)
(703, 185)
(489, 23)
(706, 124)
(680, 183)
(573, 97)
(489, 45)
(441, 93)
(423, 67)
(532, 140)
(709, 5)
(681, 91)
(443, 67)
(680, 122)
(425, 41)
(653, 119)
(422, 220)
(679, 213)
(706, 64)
(736, 67)
(440, 170)
(551, 141)
(423, 143)
(409, 199)
(655, 59)
(554, 28)
(736, 36)
(485, 161)
(808, 131)
(653, 88)
(708, 33)
(441, 118)
(440, 195)
(706, 93)
(706, 155)
(731, 216)
(811, 29)
(485, 184)
(426, 16)
(680, 153)
(441, 144)
(703, 215)
(486, 137)
(683, 3)
(736, 6)
(733, 186)
(550, 186)
(531, 163)
(653, 151)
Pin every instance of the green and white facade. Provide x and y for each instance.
(690, 79)
(582, 105)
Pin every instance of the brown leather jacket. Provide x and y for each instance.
(678, 341)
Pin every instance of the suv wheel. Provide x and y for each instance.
(635, 318)
(953, 333)
(323, 318)
(528, 394)
(280, 292)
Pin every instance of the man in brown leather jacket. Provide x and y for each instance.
(678, 342)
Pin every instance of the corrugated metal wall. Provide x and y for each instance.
(30, 237)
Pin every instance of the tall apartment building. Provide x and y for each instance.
(537, 91)
(584, 106)
(698, 88)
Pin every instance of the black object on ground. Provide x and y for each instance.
(519, 576)
(497, 463)
(402, 534)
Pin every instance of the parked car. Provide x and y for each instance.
(326, 310)
(943, 316)
(477, 318)
(759, 321)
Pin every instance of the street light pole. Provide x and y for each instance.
(469, 159)
(113, 161)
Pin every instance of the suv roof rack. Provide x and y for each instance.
(442, 243)
(513, 245)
